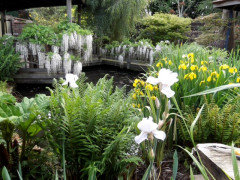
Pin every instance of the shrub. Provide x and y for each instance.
(212, 30)
(9, 59)
(90, 126)
(164, 27)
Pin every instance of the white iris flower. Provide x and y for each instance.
(147, 126)
(71, 80)
(166, 78)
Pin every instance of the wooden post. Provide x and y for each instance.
(229, 45)
(79, 9)
(69, 10)
(3, 22)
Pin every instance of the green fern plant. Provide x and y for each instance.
(216, 124)
(95, 122)
(9, 59)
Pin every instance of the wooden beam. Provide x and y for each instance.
(217, 159)
(225, 3)
(69, 10)
(3, 22)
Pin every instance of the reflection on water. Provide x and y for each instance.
(121, 76)
(94, 73)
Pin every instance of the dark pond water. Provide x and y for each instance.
(121, 77)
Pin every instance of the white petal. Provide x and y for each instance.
(167, 77)
(65, 83)
(169, 104)
(168, 92)
(153, 80)
(73, 85)
(141, 137)
(159, 134)
(147, 125)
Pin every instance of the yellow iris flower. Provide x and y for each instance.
(149, 87)
(224, 66)
(232, 70)
(194, 67)
(190, 76)
(182, 66)
(203, 68)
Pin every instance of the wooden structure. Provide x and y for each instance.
(13, 25)
(41, 76)
(217, 159)
(231, 6)
(13, 5)
(227, 4)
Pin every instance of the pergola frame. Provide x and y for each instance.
(13, 5)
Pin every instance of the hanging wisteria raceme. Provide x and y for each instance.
(33, 49)
(41, 59)
(79, 44)
(120, 59)
(77, 68)
(67, 63)
(64, 45)
(72, 44)
(23, 50)
(55, 49)
(150, 55)
(141, 51)
(72, 41)
(48, 64)
(56, 62)
(88, 49)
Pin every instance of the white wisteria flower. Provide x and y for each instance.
(71, 80)
(166, 78)
(147, 126)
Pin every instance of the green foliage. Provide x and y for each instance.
(24, 119)
(3, 86)
(115, 18)
(217, 125)
(175, 165)
(164, 27)
(212, 30)
(39, 34)
(190, 8)
(93, 124)
(48, 15)
(50, 35)
(235, 164)
(66, 27)
(5, 174)
(9, 59)
(212, 59)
